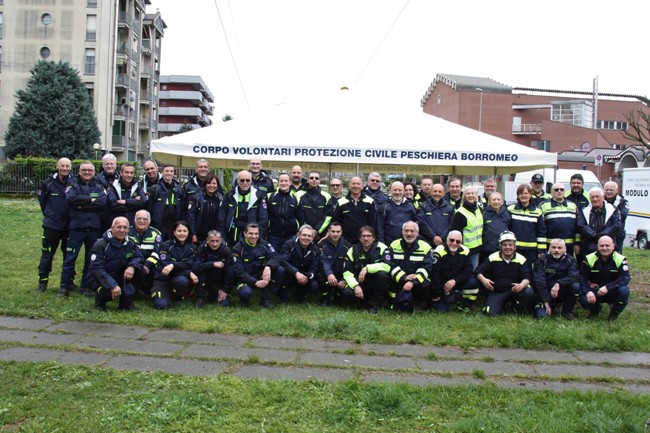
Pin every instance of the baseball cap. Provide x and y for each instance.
(537, 178)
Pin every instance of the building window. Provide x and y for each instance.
(91, 3)
(45, 53)
(46, 19)
(1, 25)
(91, 27)
(612, 124)
(0, 58)
(90, 61)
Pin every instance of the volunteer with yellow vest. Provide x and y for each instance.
(468, 220)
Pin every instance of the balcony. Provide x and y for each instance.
(145, 71)
(123, 50)
(527, 129)
(122, 80)
(120, 111)
(146, 47)
(119, 143)
(145, 123)
(174, 127)
(189, 95)
(145, 97)
(194, 112)
(124, 19)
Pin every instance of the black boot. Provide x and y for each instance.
(100, 304)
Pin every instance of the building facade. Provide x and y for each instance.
(184, 100)
(576, 125)
(115, 46)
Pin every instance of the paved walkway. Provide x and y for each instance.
(192, 353)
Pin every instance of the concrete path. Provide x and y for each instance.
(254, 357)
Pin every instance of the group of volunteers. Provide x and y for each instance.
(406, 249)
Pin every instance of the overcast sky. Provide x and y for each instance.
(287, 50)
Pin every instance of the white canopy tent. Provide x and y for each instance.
(350, 135)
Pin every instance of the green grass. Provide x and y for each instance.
(20, 252)
(51, 397)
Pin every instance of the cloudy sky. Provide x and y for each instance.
(254, 54)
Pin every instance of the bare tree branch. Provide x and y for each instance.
(638, 124)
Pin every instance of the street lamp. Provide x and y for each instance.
(480, 109)
(96, 146)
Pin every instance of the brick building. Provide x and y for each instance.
(576, 125)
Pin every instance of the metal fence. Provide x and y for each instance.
(26, 177)
(22, 177)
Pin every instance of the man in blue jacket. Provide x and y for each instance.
(257, 266)
(334, 247)
(242, 205)
(56, 218)
(301, 260)
(114, 261)
(214, 266)
(125, 195)
(165, 202)
(605, 279)
(87, 201)
(557, 281)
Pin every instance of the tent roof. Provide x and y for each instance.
(344, 134)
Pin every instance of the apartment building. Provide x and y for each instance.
(115, 46)
(184, 100)
(581, 126)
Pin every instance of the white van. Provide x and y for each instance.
(551, 176)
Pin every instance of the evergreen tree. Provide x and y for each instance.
(185, 127)
(54, 116)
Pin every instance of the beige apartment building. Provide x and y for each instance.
(115, 46)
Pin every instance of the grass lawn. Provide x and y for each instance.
(49, 397)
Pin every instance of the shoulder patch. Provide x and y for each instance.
(163, 256)
(626, 268)
(93, 257)
(159, 238)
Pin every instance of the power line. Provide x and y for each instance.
(232, 57)
(382, 42)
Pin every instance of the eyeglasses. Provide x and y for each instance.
(314, 178)
(374, 180)
(335, 185)
(558, 189)
(245, 180)
(455, 241)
